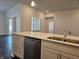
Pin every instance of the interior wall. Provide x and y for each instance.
(67, 19)
(24, 13)
(2, 23)
(14, 12)
(27, 13)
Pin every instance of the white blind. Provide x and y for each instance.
(35, 24)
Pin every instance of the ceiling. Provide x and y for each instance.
(42, 5)
(54, 5)
(7, 4)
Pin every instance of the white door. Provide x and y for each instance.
(50, 26)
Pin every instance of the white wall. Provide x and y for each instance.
(62, 19)
(26, 15)
(66, 19)
(15, 12)
(2, 23)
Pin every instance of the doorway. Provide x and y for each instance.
(50, 24)
(12, 25)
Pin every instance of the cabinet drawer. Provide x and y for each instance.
(17, 37)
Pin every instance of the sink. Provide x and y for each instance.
(74, 41)
(64, 39)
(58, 38)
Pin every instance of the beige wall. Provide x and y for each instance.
(2, 23)
(62, 19)
(26, 15)
(15, 12)
(66, 19)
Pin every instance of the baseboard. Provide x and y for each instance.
(12, 56)
(15, 57)
(18, 55)
(4, 35)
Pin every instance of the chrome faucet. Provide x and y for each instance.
(65, 35)
(67, 32)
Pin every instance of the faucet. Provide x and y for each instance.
(67, 32)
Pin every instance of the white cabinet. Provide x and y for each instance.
(26, 47)
(47, 54)
(50, 50)
(18, 46)
(69, 57)
(65, 57)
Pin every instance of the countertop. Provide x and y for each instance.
(43, 36)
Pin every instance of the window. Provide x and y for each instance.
(35, 24)
(10, 26)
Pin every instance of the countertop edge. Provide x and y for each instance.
(45, 39)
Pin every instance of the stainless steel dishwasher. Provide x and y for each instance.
(32, 48)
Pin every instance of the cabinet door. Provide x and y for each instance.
(65, 57)
(47, 54)
(18, 46)
(69, 57)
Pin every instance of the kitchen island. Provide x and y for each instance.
(48, 48)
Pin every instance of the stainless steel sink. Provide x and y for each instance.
(64, 39)
(74, 41)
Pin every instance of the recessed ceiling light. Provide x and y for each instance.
(33, 4)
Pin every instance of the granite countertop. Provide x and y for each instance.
(43, 36)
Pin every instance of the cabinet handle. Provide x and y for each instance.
(59, 56)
